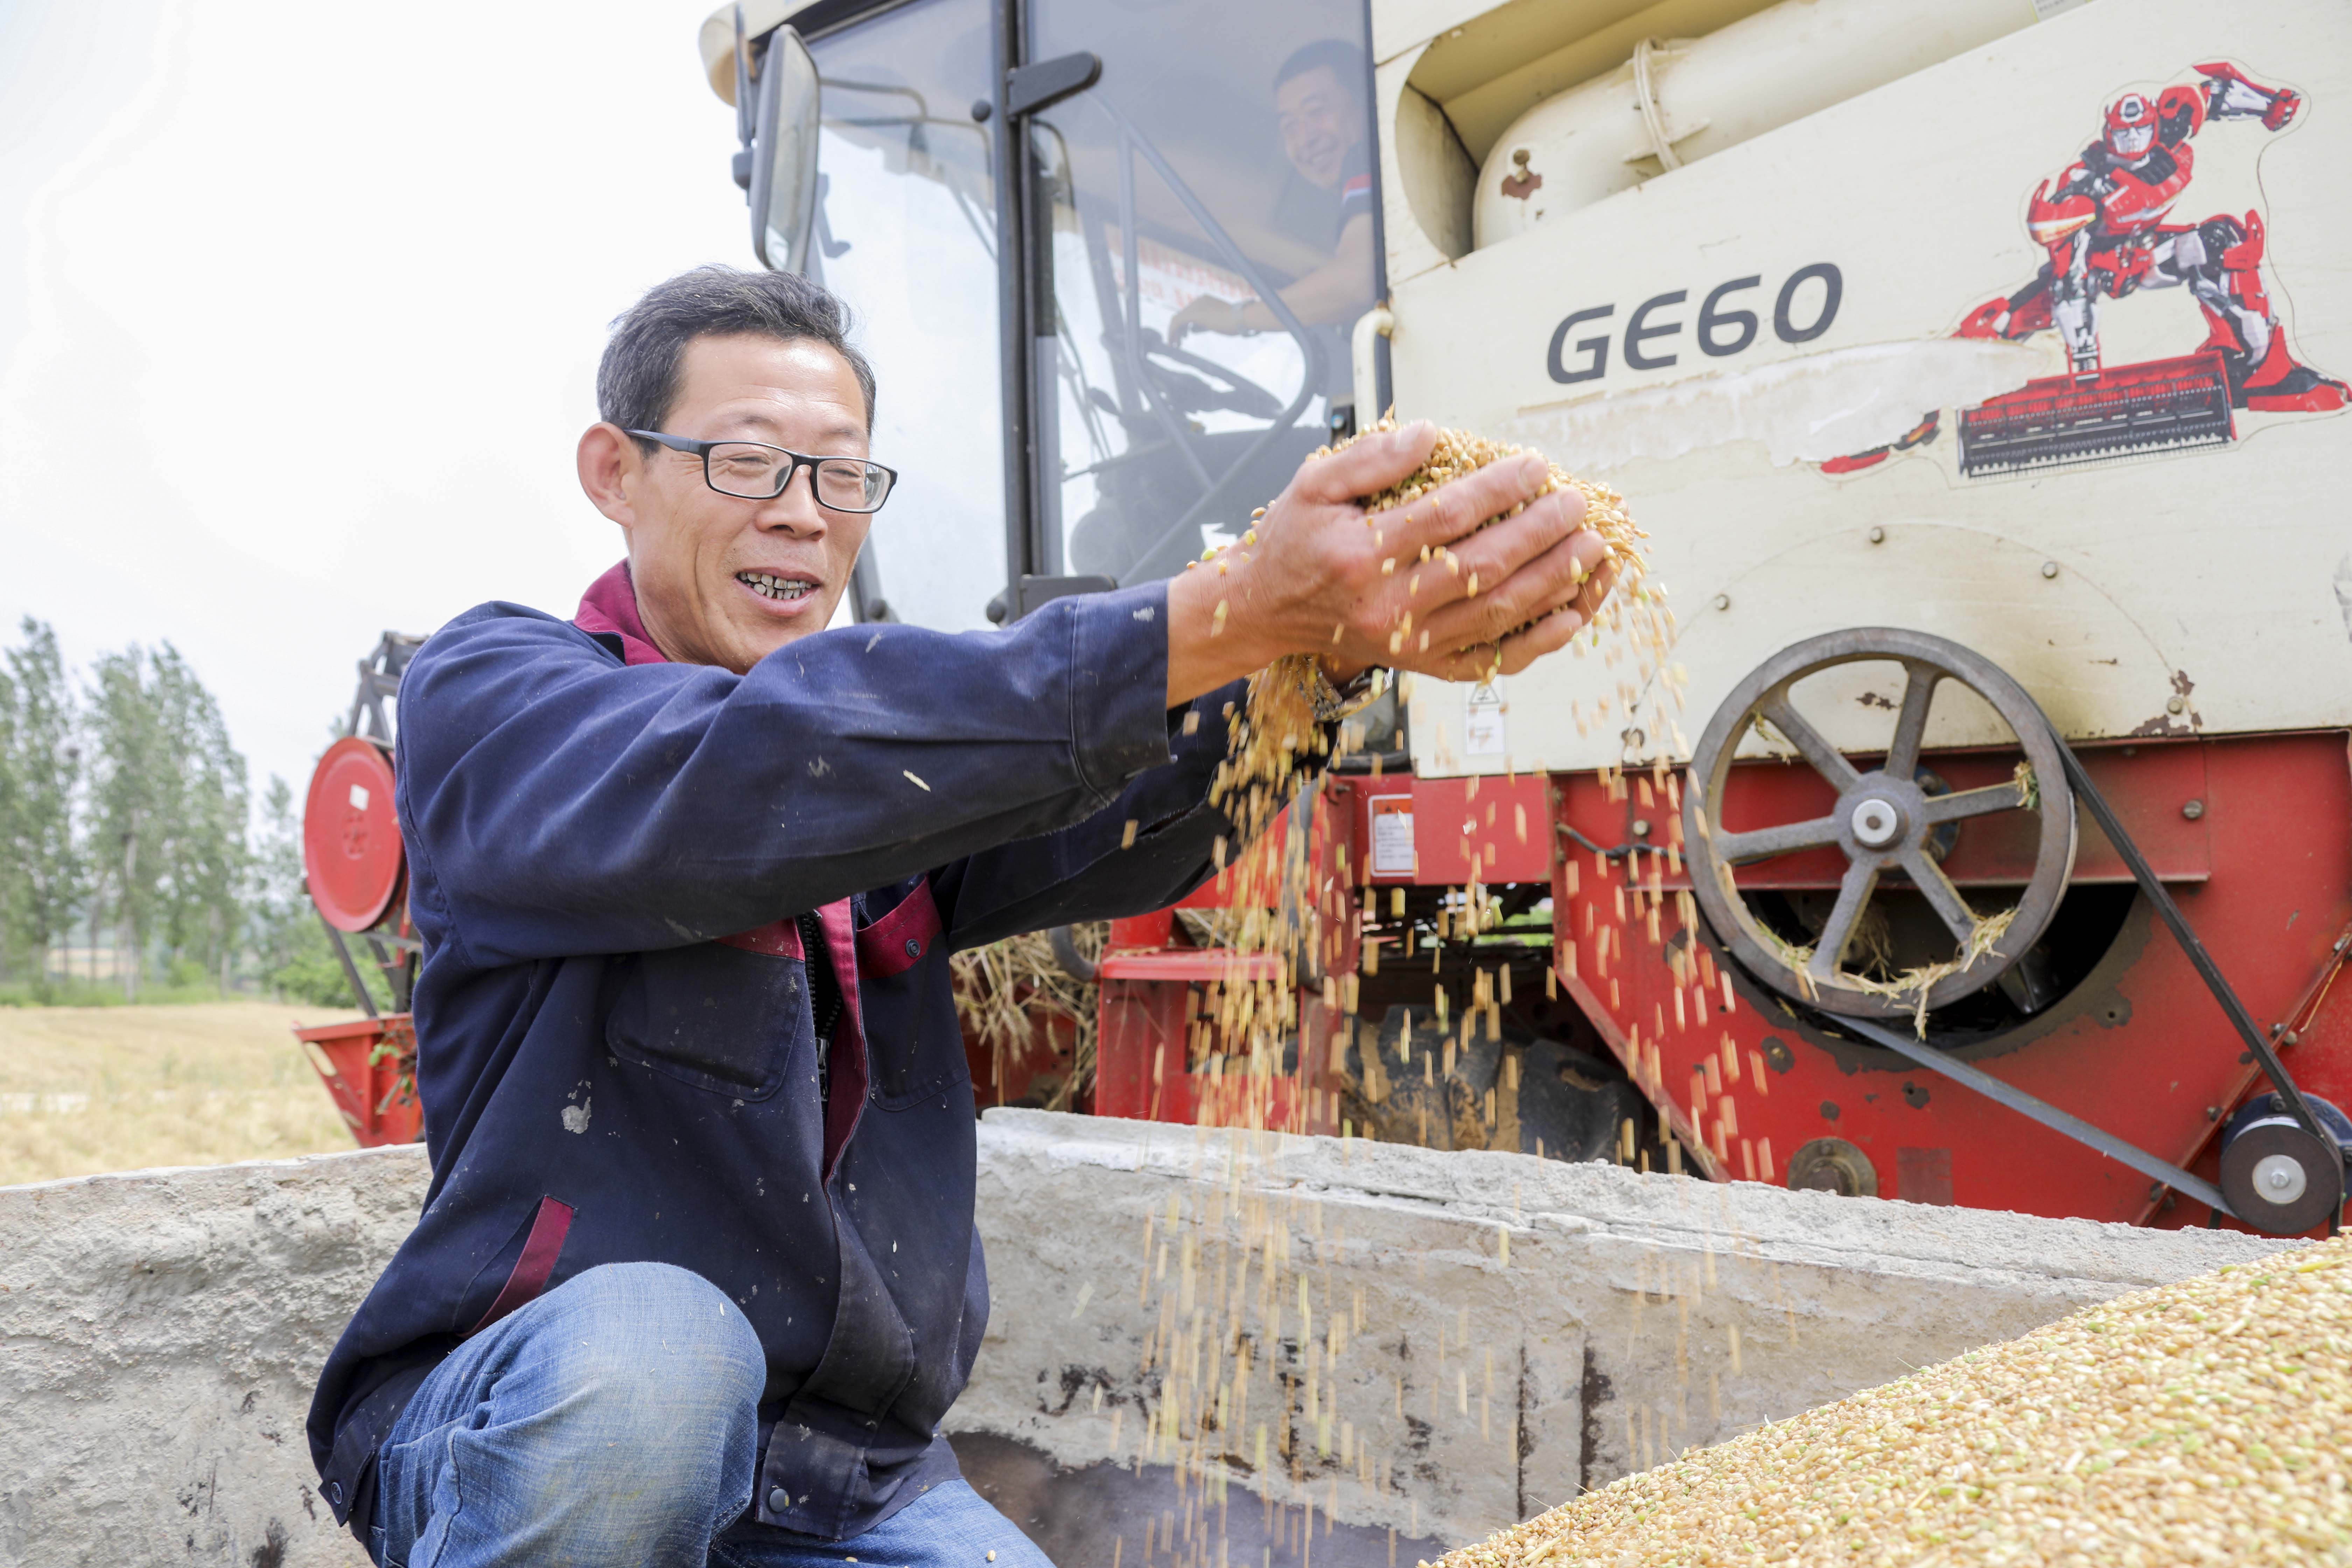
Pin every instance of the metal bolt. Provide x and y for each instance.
(1876, 822)
(1878, 536)
(1641, 827)
(2279, 1178)
(2175, 704)
(2290, 1037)
(2193, 809)
(2049, 568)
(1723, 601)
(981, 110)
(2213, 1113)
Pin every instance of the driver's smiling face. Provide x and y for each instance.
(1320, 123)
(727, 580)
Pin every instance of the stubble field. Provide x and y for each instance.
(84, 1089)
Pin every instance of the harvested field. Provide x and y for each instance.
(84, 1089)
(2206, 1422)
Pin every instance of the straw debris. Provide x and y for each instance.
(1013, 998)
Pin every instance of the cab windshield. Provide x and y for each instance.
(1210, 213)
(1204, 241)
(906, 234)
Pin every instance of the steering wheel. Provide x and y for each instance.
(1885, 822)
(1189, 384)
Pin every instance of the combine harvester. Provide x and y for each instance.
(1978, 372)
(1976, 369)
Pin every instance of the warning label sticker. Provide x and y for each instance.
(1483, 734)
(1392, 853)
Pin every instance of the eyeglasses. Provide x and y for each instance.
(753, 472)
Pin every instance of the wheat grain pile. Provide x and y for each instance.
(2206, 1422)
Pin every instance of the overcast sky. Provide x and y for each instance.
(300, 312)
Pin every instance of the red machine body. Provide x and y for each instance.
(1159, 1055)
(1744, 1080)
(2139, 1048)
(356, 871)
(368, 1065)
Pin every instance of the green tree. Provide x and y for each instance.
(277, 904)
(167, 815)
(42, 874)
(205, 853)
(15, 940)
(131, 805)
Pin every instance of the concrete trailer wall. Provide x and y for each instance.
(161, 1330)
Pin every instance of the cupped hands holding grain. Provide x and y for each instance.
(1490, 570)
(1496, 556)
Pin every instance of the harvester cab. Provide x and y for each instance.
(1112, 381)
(1993, 842)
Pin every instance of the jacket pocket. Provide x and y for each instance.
(913, 1042)
(718, 1016)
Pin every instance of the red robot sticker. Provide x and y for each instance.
(2105, 225)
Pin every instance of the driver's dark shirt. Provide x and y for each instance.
(1317, 214)
(1355, 190)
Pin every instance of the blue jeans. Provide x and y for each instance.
(614, 1421)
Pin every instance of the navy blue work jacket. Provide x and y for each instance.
(615, 1045)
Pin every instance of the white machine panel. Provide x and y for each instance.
(1710, 340)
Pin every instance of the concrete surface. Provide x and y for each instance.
(1479, 1390)
(161, 1330)
(159, 1335)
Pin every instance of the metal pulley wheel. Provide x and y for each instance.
(1884, 823)
(352, 859)
(2278, 1177)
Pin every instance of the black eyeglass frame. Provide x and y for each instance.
(800, 460)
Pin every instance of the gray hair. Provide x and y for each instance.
(637, 382)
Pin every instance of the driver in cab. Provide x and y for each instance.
(1326, 201)
(696, 1278)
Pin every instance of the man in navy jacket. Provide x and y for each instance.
(697, 1277)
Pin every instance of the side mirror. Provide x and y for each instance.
(784, 154)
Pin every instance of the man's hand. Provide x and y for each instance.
(1205, 313)
(1324, 577)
